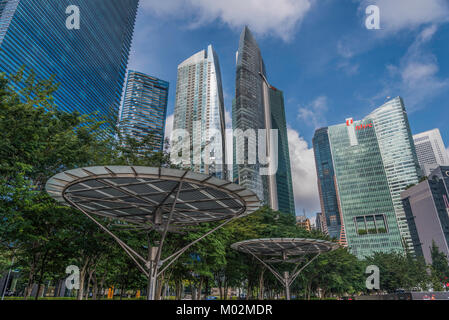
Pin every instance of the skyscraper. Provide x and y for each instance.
(284, 186)
(144, 109)
(89, 63)
(362, 187)
(199, 110)
(430, 150)
(373, 160)
(326, 185)
(399, 155)
(260, 106)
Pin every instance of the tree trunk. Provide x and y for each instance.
(160, 285)
(95, 287)
(82, 280)
(88, 283)
(226, 290)
(200, 288)
(261, 284)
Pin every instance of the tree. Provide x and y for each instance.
(439, 268)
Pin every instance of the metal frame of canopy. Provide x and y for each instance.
(146, 199)
(287, 250)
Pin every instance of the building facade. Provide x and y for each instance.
(303, 222)
(430, 150)
(326, 186)
(199, 110)
(320, 224)
(427, 210)
(89, 64)
(260, 106)
(284, 184)
(362, 187)
(362, 167)
(398, 154)
(144, 109)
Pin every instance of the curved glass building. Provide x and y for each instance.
(89, 63)
(199, 110)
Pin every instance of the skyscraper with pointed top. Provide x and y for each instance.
(259, 105)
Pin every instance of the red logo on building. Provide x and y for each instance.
(364, 126)
(349, 122)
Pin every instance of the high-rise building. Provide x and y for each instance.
(362, 187)
(144, 109)
(326, 183)
(398, 154)
(430, 150)
(320, 224)
(365, 165)
(427, 210)
(284, 185)
(89, 63)
(260, 106)
(199, 110)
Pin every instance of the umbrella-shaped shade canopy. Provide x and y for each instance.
(284, 247)
(145, 195)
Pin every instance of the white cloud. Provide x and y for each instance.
(302, 162)
(279, 18)
(228, 119)
(396, 15)
(314, 113)
(416, 77)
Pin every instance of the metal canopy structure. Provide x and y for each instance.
(146, 199)
(285, 250)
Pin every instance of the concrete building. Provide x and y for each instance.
(303, 222)
(427, 210)
(430, 150)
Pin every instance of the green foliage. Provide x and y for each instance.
(400, 271)
(439, 268)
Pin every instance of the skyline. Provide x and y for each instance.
(326, 62)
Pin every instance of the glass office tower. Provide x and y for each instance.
(89, 63)
(144, 109)
(399, 156)
(199, 110)
(286, 201)
(249, 111)
(258, 105)
(326, 185)
(367, 208)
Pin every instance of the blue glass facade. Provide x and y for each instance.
(286, 201)
(144, 109)
(89, 63)
(326, 185)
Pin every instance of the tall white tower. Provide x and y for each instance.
(199, 110)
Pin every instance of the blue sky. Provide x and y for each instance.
(319, 53)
